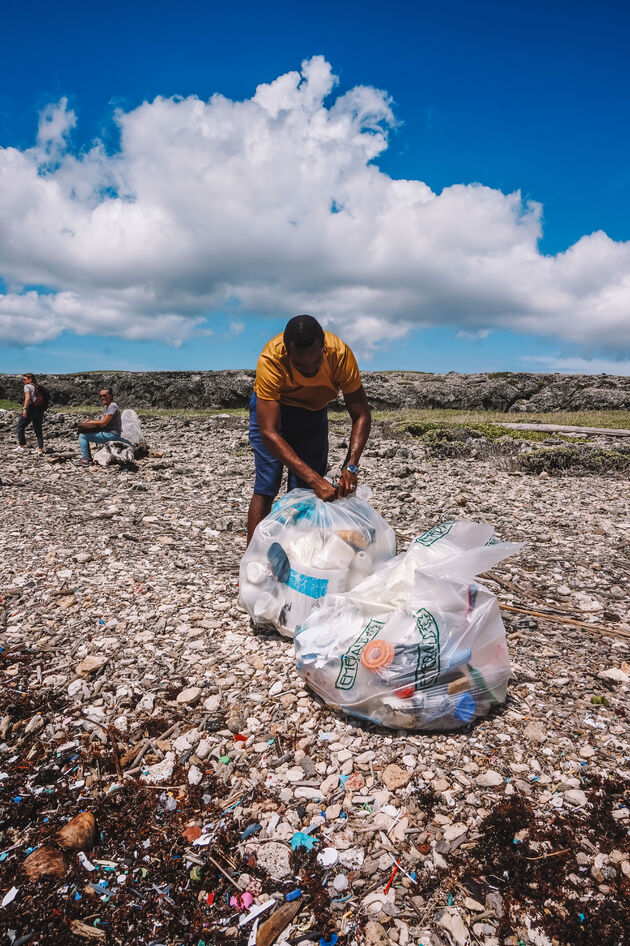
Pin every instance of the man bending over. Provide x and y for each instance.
(298, 374)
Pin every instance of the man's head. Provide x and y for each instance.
(106, 395)
(304, 342)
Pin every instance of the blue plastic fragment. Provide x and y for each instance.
(249, 830)
(329, 942)
(581, 916)
(300, 839)
(465, 707)
(279, 562)
(293, 895)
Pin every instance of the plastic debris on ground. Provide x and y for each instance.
(420, 643)
(307, 549)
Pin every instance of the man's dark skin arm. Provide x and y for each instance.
(361, 416)
(268, 417)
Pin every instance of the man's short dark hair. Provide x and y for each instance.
(302, 331)
(108, 391)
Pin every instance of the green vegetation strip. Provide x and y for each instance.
(473, 418)
(570, 459)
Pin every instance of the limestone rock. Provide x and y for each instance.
(490, 779)
(273, 858)
(91, 664)
(394, 777)
(189, 696)
(375, 934)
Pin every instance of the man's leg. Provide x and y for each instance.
(99, 436)
(84, 446)
(268, 476)
(259, 509)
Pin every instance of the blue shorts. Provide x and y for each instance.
(305, 431)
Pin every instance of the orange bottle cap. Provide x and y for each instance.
(377, 654)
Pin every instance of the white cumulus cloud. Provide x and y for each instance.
(274, 205)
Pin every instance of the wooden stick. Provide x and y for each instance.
(224, 872)
(541, 857)
(511, 586)
(559, 619)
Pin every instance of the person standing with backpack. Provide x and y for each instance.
(36, 401)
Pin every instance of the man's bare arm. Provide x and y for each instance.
(361, 415)
(100, 424)
(268, 417)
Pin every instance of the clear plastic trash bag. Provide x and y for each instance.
(420, 643)
(306, 549)
(131, 427)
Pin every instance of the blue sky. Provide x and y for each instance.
(522, 97)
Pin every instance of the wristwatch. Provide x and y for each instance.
(351, 468)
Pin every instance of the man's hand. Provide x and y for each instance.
(347, 483)
(324, 490)
(85, 426)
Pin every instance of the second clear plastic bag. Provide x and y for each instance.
(420, 644)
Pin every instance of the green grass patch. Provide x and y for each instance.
(9, 405)
(575, 460)
(432, 431)
(473, 418)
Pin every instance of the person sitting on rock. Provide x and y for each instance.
(299, 373)
(31, 414)
(107, 428)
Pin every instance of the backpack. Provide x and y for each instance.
(42, 397)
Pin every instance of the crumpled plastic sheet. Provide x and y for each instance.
(114, 452)
(131, 427)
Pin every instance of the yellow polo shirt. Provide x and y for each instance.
(278, 380)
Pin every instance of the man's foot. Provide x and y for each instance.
(41, 451)
(83, 462)
(19, 448)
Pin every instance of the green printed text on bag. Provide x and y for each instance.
(350, 660)
(437, 532)
(428, 666)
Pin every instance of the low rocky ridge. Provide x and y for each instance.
(132, 688)
(504, 391)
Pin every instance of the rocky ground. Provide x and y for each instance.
(134, 691)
